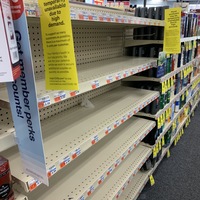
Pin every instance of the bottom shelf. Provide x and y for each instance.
(137, 184)
(19, 196)
(116, 184)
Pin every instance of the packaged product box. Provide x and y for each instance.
(9, 58)
(6, 192)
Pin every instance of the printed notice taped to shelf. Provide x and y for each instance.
(22, 94)
(58, 45)
(172, 31)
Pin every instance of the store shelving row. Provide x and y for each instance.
(172, 100)
(137, 184)
(110, 189)
(92, 13)
(163, 78)
(87, 173)
(80, 128)
(169, 124)
(131, 42)
(91, 76)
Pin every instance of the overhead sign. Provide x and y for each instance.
(172, 31)
(22, 95)
(58, 45)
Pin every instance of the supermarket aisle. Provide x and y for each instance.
(178, 178)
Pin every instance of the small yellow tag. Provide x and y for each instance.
(168, 84)
(194, 44)
(163, 87)
(175, 141)
(168, 153)
(160, 145)
(163, 141)
(172, 81)
(163, 115)
(159, 123)
(151, 179)
(154, 152)
(182, 97)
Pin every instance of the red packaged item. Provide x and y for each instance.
(6, 192)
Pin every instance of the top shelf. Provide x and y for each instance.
(92, 13)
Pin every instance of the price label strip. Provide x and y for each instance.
(59, 96)
(44, 102)
(52, 170)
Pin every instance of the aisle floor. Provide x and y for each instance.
(178, 177)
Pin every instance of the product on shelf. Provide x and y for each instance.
(6, 192)
(189, 24)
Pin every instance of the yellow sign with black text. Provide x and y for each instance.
(58, 45)
(172, 31)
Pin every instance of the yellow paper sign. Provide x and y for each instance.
(172, 29)
(58, 45)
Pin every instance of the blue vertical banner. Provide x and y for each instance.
(23, 102)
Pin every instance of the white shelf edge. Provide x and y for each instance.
(187, 39)
(163, 78)
(90, 13)
(130, 43)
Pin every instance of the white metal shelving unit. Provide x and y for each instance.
(104, 141)
(84, 175)
(80, 128)
(137, 184)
